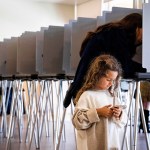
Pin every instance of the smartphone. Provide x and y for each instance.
(122, 106)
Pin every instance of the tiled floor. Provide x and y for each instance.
(47, 142)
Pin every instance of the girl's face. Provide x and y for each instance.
(106, 81)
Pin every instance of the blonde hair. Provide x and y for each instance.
(98, 69)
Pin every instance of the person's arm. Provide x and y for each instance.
(84, 118)
(124, 50)
(85, 114)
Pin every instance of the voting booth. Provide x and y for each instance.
(26, 53)
(67, 48)
(8, 56)
(102, 19)
(39, 49)
(53, 50)
(3, 56)
(78, 33)
(146, 37)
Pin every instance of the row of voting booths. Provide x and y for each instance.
(52, 50)
(39, 66)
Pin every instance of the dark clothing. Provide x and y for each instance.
(146, 114)
(115, 42)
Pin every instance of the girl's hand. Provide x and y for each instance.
(117, 111)
(105, 111)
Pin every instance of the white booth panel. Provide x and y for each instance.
(119, 12)
(53, 50)
(146, 37)
(101, 19)
(26, 53)
(79, 32)
(67, 48)
(11, 56)
(125, 10)
(39, 49)
(115, 14)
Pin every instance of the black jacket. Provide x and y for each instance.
(115, 42)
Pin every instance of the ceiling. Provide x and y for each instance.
(68, 2)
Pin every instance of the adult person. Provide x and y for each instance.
(119, 39)
(96, 118)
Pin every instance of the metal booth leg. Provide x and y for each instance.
(131, 90)
(138, 103)
(62, 125)
(61, 129)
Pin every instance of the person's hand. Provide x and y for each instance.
(117, 111)
(105, 111)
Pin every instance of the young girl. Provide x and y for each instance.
(96, 118)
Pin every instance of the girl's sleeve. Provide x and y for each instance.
(84, 116)
(121, 122)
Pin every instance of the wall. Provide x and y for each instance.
(21, 15)
(90, 9)
(94, 8)
(117, 3)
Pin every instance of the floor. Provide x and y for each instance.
(46, 143)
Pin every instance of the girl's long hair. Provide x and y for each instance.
(97, 70)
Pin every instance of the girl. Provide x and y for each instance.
(96, 118)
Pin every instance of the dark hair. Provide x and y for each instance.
(129, 23)
(97, 70)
